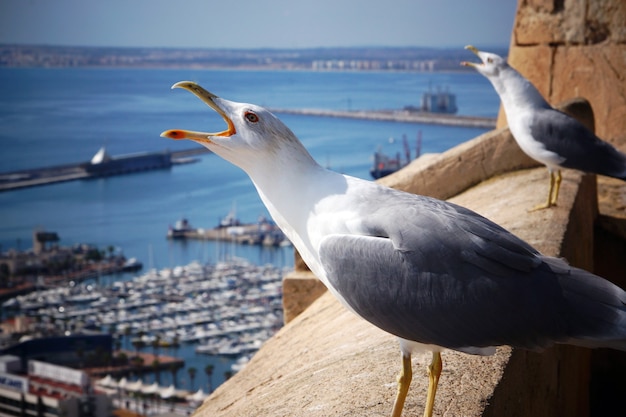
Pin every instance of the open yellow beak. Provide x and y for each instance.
(471, 64)
(208, 98)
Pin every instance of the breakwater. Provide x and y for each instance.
(405, 116)
(120, 165)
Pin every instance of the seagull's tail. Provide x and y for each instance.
(597, 308)
(622, 176)
(613, 163)
(618, 167)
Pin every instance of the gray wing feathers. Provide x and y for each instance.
(596, 306)
(452, 278)
(581, 149)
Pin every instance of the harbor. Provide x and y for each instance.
(433, 110)
(132, 212)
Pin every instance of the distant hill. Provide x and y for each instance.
(351, 59)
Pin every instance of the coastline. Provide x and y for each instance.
(367, 59)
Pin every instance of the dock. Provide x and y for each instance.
(404, 116)
(262, 233)
(109, 166)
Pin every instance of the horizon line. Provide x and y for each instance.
(44, 45)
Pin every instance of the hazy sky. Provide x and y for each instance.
(254, 24)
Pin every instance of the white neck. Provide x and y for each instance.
(291, 191)
(516, 92)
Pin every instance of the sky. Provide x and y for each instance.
(257, 24)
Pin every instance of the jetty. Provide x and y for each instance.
(404, 116)
(264, 232)
(101, 165)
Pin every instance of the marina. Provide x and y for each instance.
(227, 309)
(164, 327)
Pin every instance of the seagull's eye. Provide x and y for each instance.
(490, 60)
(251, 117)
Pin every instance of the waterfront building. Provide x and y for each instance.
(48, 390)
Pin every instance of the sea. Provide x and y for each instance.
(54, 116)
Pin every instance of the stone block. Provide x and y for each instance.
(549, 22)
(606, 21)
(598, 74)
(300, 289)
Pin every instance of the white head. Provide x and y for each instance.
(253, 139)
(514, 90)
(491, 65)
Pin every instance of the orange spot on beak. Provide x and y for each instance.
(178, 134)
(174, 134)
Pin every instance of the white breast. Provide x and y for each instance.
(520, 128)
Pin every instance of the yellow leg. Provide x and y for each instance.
(434, 372)
(554, 180)
(557, 187)
(404, 381)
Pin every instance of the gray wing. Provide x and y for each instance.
(581, 149)
(449, 277)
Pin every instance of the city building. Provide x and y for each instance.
(47, 390)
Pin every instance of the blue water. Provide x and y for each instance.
(56, 116)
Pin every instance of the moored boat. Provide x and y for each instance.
(384, 164)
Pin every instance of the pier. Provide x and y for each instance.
(108, 166)
(404, 116)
